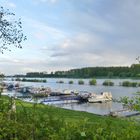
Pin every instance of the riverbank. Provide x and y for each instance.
(41, 121)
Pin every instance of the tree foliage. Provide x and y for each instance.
(107, 72)
(11, 33)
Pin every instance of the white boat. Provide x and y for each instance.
(104, 97)
(63, 92)
(39, 91)
(66, 92)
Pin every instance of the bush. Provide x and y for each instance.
(17, 79)
(93, 82)
(33, 80)
(44, 81)
(134, 84)
(81, 82)
(60, 82)
(108, 83)
(129, 84)
(126, 84)
(70, 82)
(139, 84)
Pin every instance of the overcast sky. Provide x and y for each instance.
(66, 34)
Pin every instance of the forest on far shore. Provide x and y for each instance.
(89, 72)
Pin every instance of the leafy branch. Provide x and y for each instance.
(11, 33)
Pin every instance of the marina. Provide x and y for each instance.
(73, 97)
(64, 96)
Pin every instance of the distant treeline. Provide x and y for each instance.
(89, 72)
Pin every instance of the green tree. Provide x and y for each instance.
(11, 33)
(110, 74)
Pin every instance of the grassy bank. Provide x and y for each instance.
(41, 122)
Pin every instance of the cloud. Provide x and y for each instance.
(53, 1)
(91, 23)
(45, 1)
(60, 54)
(75, 52)
(43, 29)
(81, 43)
(40, 35)
(14, 65)
(11, 5)
(8, 4)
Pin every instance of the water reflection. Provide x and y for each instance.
(96, 108)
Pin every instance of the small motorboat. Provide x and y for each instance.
(104, 97)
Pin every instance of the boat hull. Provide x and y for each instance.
(92, 100)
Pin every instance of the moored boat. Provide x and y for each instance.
(40, 92)
(62, 100)
(104, 97)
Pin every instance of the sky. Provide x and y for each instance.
(67, 34)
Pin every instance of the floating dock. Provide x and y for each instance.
(62, 100)
(124, 113)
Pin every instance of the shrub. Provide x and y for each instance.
(70, 82)
(81, 82)
(44, 81)
(129, 84)
(134, 84)
(17, 79)
(93, 82)
(33, 80)
(126, 84)
(108, 83)
(60, 82)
